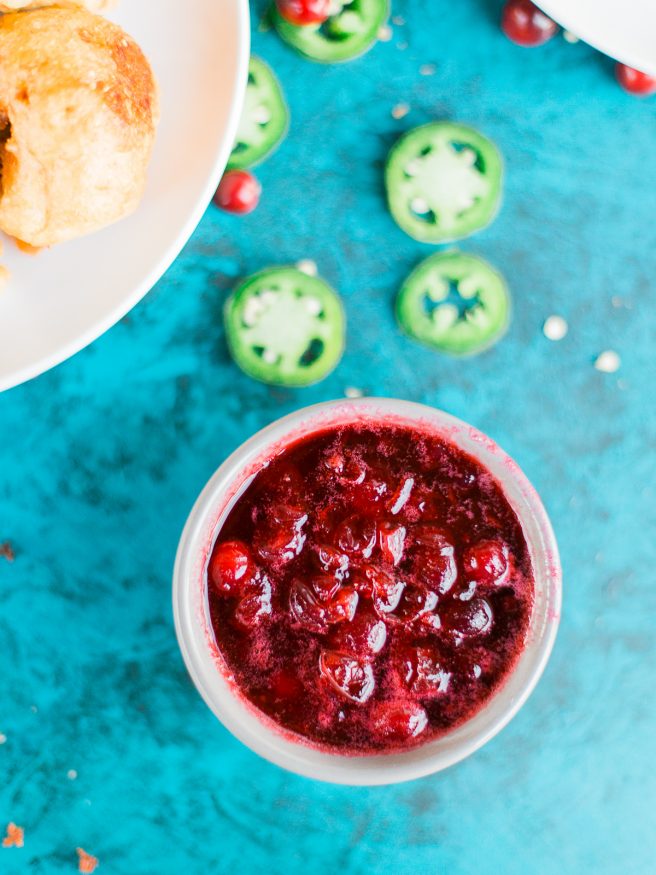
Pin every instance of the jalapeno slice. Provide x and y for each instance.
(350, 31)
(285, 328)
(443, 182)
(455, 303)
(264, 119)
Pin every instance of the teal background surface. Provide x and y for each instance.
(102, 458)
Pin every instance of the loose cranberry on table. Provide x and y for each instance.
(238, 192)
(370, 589)
(525, 24)
(304, 12)
(634, 81)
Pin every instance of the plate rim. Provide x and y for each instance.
(637, 61)
(46, 362)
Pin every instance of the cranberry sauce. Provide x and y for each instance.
(371, 588)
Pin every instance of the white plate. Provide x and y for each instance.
(60, 300)
(623, 29)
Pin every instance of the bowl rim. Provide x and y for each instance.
(261, 733)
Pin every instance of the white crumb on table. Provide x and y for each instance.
(570, 37)
(353, 392)
(3, 738)
(385, 33)
(71, 774)
(608, 362)
(400, 110)
(555, 328)
(427, 70)
(307, 266)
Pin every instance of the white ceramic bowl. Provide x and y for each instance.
(258, 731)
(60, 300)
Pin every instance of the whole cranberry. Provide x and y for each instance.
(525, 24)
(487, 562)
(350, 676)
(635, 82)
(468, 619)
(400, 721)
(391, 540)
(238, 192)
(255, 607)
(230, 567)
(304, 12)
(363, 636)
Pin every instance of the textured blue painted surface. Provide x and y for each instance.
(102, 458)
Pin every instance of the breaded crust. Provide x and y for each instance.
(93, 5)
(78, 110)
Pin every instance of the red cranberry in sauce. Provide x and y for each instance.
(391, 540)
(351, 677)
(398, 722)
(401, 496)
(487, 562)
(281, 537)
(342, 607)
(468, 619)
(325, 586)
(332, 561)
(433, 558)
(306, 610)
(386, 591)
(348, 471)
(365, 635)
(357, 536)
(414, 602)
(230, 566)
(255, 606)
(425, 673)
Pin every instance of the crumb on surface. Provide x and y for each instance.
(307, 266)
(400, 110)
(608, 362)
(385, 33)
(570, 37)
(71, 774)
(555, 328)
(15, 837)
(87, 863)
(5, 276)
(427, 70)
(7, 551)
(353, 392)
(3, 738)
